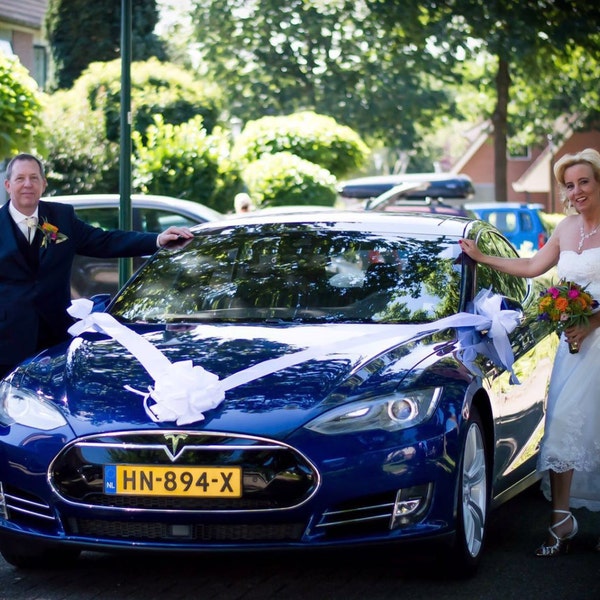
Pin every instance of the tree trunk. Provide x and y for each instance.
(499, 120)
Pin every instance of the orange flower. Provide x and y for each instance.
(562, 304)
(565, 304)
(51, 234)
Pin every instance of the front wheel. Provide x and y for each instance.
(473, 499)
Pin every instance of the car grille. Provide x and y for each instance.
(274, 476)
(367, 516)
(28, 510)
(149, 531)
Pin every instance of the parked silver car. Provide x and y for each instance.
(150, 213)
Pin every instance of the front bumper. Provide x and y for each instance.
(385, 495)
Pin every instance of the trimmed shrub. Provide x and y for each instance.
(80, 158)
(84, 156)
(315, 138)
(284, 179)
(157, 88)
(20, 107)
(186, 162)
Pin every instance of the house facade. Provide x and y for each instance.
(21, 34)
(529, 176)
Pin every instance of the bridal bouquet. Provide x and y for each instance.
(564, 305)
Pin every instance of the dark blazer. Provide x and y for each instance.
(35, 293)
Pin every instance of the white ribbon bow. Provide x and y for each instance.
(499, 324)
(182, 392)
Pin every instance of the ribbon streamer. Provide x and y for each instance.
(182, 392)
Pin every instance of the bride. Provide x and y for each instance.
(570, 450)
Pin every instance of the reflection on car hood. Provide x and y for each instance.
(89, 381)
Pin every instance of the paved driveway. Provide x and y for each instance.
(509, 571)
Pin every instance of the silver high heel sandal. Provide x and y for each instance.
(561, 544)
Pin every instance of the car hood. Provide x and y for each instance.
(100, 385)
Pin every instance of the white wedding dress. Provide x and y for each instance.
(572, 432)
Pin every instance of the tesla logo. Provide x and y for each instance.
(174, 439)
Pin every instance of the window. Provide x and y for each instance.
(40, 65)
(505, 221)
(515, 288)
(155, 221)
(519, 152)
(107, 218)
(526, 221)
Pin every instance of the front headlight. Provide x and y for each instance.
(22, 406)
(391, 413)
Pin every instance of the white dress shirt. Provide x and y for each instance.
(26, 224)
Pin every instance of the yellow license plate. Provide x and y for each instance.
(146, 480)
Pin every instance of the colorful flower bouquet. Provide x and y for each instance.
(51, 234)
(564, 305)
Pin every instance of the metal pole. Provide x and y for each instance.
(125, 217)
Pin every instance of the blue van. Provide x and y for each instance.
(520, 223)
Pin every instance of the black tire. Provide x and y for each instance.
(472, 501)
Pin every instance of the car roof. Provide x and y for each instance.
(407, 222)
(188, 207)
(398, 198)
(296, 208)
(445, 185)
(398, 178)
(501, 205)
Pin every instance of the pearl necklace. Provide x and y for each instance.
(584, 236)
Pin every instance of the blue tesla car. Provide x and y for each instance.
(282, 381)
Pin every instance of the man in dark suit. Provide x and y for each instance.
(36, 259)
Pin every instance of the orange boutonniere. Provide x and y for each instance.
(51, 234)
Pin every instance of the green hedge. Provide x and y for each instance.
(315, 138)
(82, 124)
(20, 108)
(186, 162)
(284, 179)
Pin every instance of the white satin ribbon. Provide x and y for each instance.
(502, 322)
(182, 392)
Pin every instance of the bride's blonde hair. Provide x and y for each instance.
(588, 156)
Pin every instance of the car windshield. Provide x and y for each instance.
(298, 273)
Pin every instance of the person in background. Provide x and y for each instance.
(242, 203)
(38, 241)
(569, 459)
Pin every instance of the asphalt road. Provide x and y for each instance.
(509, 571)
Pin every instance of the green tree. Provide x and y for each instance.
(81, 32)
(534, 48)
(92, 109)
(20, 107)
(157, 88)
(275, 57)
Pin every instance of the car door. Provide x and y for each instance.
(519, 409)
(96, 275)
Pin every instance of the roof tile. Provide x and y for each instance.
(28, 13)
